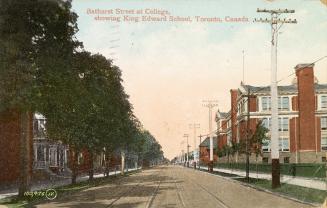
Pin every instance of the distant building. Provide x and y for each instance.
(205, 150)
(302, 118)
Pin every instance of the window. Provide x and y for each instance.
(284, 144)
(286, 159)
(266, 122)
(266, 101)
(324, 101)
(266, 145)
(324, 142)
(53, 156)
(283, 103)
(323, 123)
(241, 106)
(283, 124)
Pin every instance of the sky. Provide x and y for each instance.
(170, 67)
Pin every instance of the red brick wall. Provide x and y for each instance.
(85, 165)
(220, 141)
(253, 104)
(242, 129)
(318, 131)
(295, 103)
(205, 155)
(306, 104)
(9, 144)
(234, 94)
(224, 124)
(293, 133)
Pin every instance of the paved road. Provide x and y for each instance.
(172, 186)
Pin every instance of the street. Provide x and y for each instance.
(172, 186)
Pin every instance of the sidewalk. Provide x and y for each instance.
(299, 181)
(53, 184)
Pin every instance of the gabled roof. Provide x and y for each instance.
(206, 142)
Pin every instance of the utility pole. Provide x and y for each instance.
(210, 104)
(276, 23)
(187, 149)
(182, 149)
(243, 66)
(248, 133)
(200, 149)
(194, 126)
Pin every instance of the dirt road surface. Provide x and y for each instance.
(169, 187)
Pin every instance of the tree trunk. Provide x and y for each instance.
(256, 165)
(25, 154)
(107, 164)
(74, 166)
(122, 163)
(91, 171)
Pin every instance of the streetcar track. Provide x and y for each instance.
(122, 194)
(179, 194)
(221, 202)
(125, 192)
(154, 194)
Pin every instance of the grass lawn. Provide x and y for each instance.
(298, 192)
(16, 201)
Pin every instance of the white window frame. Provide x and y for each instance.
(324, 146)
(268, 103)
(268, 147)
(321, 105)
(280, 103)
(53, 152)
(281, 144)
(281, 122)
(323, 118)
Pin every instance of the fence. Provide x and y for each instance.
(310, 170)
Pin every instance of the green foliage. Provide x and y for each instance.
(258, 139)
(151, 149)
(35, 48)
(43, 68)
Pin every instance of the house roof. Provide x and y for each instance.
(206, 142)
(222, 115)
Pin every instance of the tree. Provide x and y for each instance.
(258, 139)
(151, 150)
(39, 38)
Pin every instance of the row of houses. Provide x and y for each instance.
(48, 158)
(302, 119)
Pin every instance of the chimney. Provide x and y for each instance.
(306, 106)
